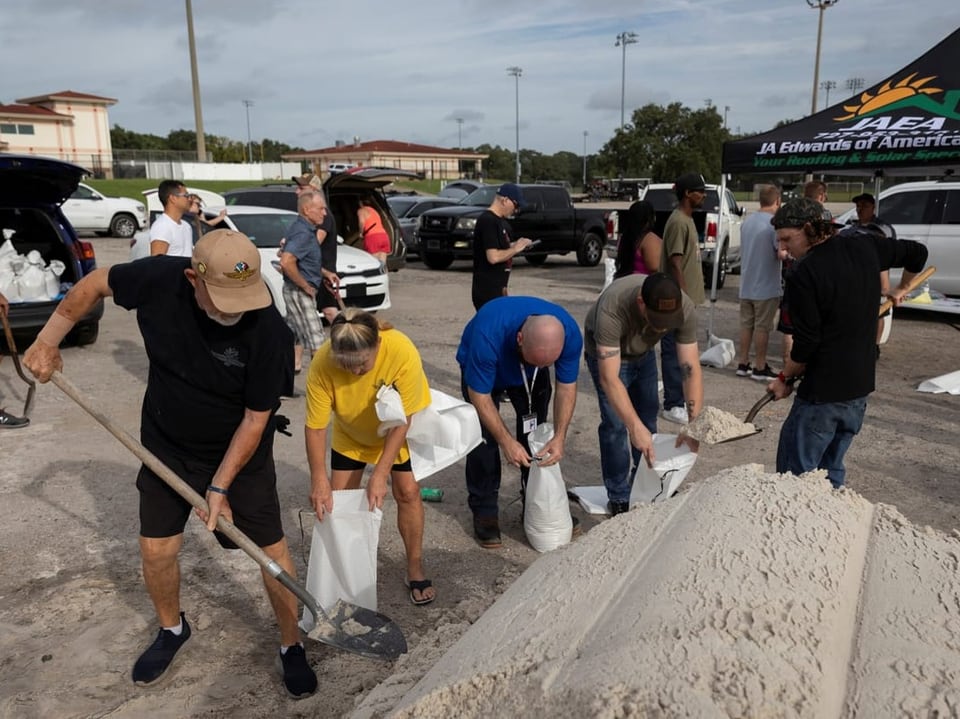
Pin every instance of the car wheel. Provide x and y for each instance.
(437, 260)
(123, 226)
(721, 272)
(590, 250)
(535, 260)
(84, 334)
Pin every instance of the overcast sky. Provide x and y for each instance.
(318, 71)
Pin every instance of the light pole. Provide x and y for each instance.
(247, 104)
(726, 109)
(585, 133)
(517, 72)
(623, 39)
(195, 77)
(827, 85)
(459, 133)
(853, 84)
(820, 5)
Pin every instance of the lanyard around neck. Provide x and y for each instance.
(528, 387)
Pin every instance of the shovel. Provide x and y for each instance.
(348, 626)
(31, 385)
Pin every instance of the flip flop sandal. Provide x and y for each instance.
(419, 585)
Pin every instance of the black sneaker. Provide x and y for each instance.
(8, 421)
(764, 375)
(744, 370)
(157, 659)
(299, 679)
(487, 531)
(615, 508)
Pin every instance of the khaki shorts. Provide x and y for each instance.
(759, 314)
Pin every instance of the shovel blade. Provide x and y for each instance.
(739, 437)
(360, 631)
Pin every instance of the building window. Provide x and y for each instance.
(12, 129)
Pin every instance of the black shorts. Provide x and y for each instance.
(325, 297)
(253, 499)
(345, 464)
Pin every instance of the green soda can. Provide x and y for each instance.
(431, 494)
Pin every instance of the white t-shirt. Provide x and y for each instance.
(178, 235)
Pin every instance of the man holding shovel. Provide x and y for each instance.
(220, 357)
(833, 307)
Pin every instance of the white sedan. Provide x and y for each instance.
(363, 281)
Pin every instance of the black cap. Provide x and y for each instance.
(690, 182)
(664, 301)
(865, 197)
(800, 211)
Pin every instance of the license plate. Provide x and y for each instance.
(356, 291)
(433, 244)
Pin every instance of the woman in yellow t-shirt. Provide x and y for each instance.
(361, 356)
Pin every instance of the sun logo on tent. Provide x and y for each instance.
(889, 94)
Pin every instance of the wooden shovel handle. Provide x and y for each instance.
(914, 283)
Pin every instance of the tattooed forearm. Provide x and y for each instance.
(686, 371)
(608, 354)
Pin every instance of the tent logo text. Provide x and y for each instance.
(907, 93)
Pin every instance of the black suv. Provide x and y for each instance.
(344, 191)
(31, 192)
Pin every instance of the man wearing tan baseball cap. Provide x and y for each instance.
(220, 358)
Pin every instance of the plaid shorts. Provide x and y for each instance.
(303, 318)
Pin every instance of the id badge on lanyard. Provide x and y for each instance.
(529, 420)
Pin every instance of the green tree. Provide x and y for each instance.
(123, 139)
(663, 142)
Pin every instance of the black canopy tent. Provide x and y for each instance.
(908, 124)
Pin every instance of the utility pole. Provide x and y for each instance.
(459, 133)
(827, 85)
(197, 111)
(248, 104)
(820, 5)
(726, 109)
(623, 39)
(585, 133)
(517, 72)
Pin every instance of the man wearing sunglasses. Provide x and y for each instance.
(170, 234)
(493, 246)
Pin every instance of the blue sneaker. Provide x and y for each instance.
(157, 659)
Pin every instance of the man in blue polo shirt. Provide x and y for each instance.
(507, 348)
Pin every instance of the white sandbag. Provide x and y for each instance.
(33, 286)
(343, 555)
(442, 434)
(670, 467)
(609, 270)
(949, 383)
(389, 407)
(546, 516)
(719, 354)
(51, 277)
(9, 286)
(7, 249)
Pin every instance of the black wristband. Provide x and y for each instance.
(218, 490)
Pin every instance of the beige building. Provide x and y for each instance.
(68, 125)
(433, 163)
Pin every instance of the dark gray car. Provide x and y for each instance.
(408, 209)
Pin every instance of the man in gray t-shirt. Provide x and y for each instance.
(760, 286)
(622, 328)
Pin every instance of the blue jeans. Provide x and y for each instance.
(817, 436)
(639, 376)
(670, 366)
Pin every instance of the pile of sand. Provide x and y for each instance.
(749, 595)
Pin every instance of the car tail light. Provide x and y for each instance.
(84, 250)
(610, 225)
(711, 236)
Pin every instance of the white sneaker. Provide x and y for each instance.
(675, 414)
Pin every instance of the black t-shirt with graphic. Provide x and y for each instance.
(491, 232)
(202, 375)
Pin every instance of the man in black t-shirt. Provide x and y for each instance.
(833, 309)
(493, 250)
(220, 357)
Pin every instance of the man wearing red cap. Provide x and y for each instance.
(220, 358)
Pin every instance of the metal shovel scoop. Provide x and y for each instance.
(348, 627)
(768, 397)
